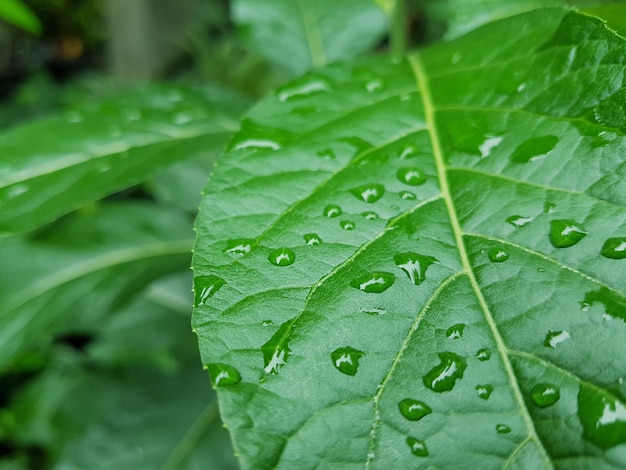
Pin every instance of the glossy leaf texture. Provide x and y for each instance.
(53, 166)
(423, 266)
(79, 271)
(301, 34)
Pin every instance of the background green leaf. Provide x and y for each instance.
(18, 14)
(301, 34)
(421, 264)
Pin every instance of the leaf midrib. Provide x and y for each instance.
(423, 86)
(313, 35)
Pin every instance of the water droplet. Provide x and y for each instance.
(565, 233)
(414, 265)
(518, 220)
(205, 287)
(488, 145)
(455, 331)
(370, 215)
(554, 338)
(239, 246)
(374, 85)
(497, 255)
(332, 210)
(303, 87)
(223, 374)
(502, 429)
(414, 410)
(312, 239)
(257, 144)
(484, 391)
(483, 354)
(534, 149)
(614, 248)
(443, 376)
(374, 282)
(369, 193)
(521, 87)
(418, 448)
(407, 195)
(347, 225)
(346, 360)
(182, 118)
(267, 323)
(373, 311)
(614, 304)
(408, 152)
(328, 154)
(411, 176)
(545, 395)
(548, 207)
(276, 350)
(282, 257)
(602, 416)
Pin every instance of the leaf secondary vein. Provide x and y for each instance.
(429, 110)
(314, 37)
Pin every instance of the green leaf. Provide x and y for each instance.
(300, 34)
(70, 277)
(18, 14)
(53, 166)
(417, 202)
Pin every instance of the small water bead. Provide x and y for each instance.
(282, 257)
(484, 391)
(257, 144)
(312, 239)
(369, 193)
(455, 331)
(534, 149)
(414, 410)
(566, 232)
(614, 304)
(614, 248)
(545, 395)
(502, 429)
(548, 207)
(554, 338)
(497, 255)
(443, 376)
(603, 417)
(407, 195)
(239, 246)
(488, 145)
(369, 215)
(483, 354)
(346, 360)
(374, 282)
(303, 87)
(411, 176)
(267, 323)
(518, 221)
(276, 349)
(205, 287)
(414, 265)
(373, 310)
(332, 210)
(328, 154)
(347, 225)
(223, 374)
(418, 448)
(374, 85)
(407, 152)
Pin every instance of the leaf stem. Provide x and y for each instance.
(397, 35)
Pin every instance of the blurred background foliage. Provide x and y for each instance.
(113, 380)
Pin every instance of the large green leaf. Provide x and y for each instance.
(52, 166)
(423, 265)
(300, 34)
(18, 14)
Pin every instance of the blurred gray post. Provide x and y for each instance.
(144, 36)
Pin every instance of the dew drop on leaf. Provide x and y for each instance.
(373, 310)
(346, 360)
(276, 350)
(408, 152)
(483, 354)
(602, 416)
(545, 395)
(418, 448)
(502, 429)
(302, 88)
(534, 149)
(497, 255)
(484, 391)
(548, 207)
(239, 246)
(328, 154)
(518, 220)
(614, 248)
(554, 338)
(407, 195)
(414, 265)
(614, 304)
(414, 410)
(223, 374)
(257, 144)
(347, 225)
(332, 210)
(267, 323)
(488, 145)
(455, 331)
(205, 287)
(374, 282)
(369, 193)
(312, 239)
(411, 176)
(282, 257)
(565, 233)
(369, 215)
(443, 376)
(374, 85)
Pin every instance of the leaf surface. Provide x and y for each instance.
(423, 266)
(301, 34)
(55, 165)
